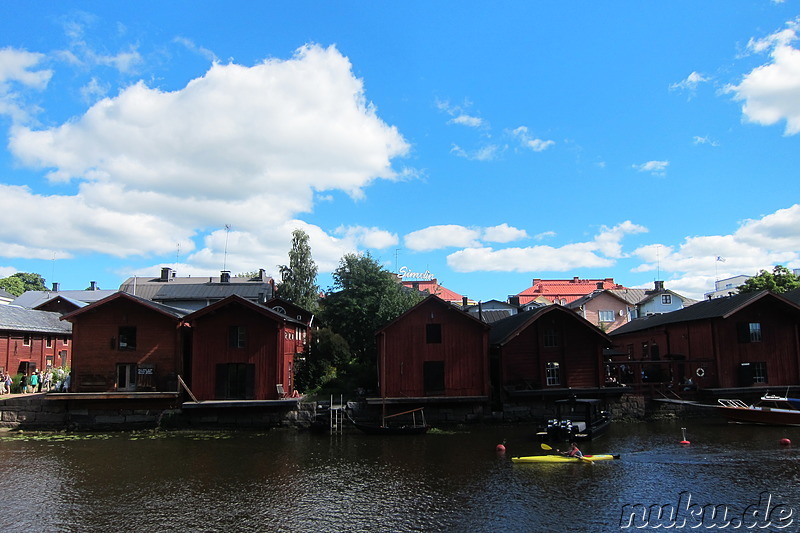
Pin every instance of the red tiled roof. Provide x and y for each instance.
(433, 287)
(568, 290)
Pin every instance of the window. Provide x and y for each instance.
(553, 373)
(237, 337)
(666, 299)
(750, 332)
(66, 341)
(433, 333)
(606, 316)
(127, 338)
(760, 372)
(755, 332)
(26, 340)
(550, 339)
(49, 341)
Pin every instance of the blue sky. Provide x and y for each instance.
(489, 144)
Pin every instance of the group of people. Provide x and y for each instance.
(37, 381)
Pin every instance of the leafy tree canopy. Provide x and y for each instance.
(299, 279)
(780, 280)
(21, 282)
(364, 298)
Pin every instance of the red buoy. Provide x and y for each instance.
(684, 441)
(500, 448)
(785, 442)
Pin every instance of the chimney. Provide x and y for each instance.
(92, 285)
(262, 274)
(514, 300)
(659, 286)
(464, 301)
(56, 286)
(225, 276)
(599, 285)
(165, 272)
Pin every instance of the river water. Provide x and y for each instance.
(448, 480)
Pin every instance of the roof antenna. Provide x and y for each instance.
(225, 257)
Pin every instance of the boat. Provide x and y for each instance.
(576, 419)
(386, 427)
(564, 459)
(771, 410)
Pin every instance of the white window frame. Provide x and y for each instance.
(553, 373)
(666, 299)
(608, 313)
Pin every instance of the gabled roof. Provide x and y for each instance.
(566, 289)
(236, 299)
(583, 300)
(505, 330)
(171, 312)
(33, 299)
(707, 309)
(653, 294)
(438, 301)
(206, 291)
(433, 287)
(77, 304)
(20, 319)
(793, 296)
(189, 287)
(5, 295)
(631, 296)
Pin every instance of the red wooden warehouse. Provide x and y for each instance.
(738, 341)
(31, 340)
(243, 351)
(434, 350)
(548, 348)
(126, 343)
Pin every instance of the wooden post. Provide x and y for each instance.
(183, 384)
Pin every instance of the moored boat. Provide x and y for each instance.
(563, 459)
(771, 410)
(576, 419)
(416, 427)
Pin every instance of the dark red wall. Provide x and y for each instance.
(464, 350)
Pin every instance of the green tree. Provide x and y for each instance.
(21, 282)
(780, 280)
(12, 285)
(299, 279)
(364, 298)
(327, 357)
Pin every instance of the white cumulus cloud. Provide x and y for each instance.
(771, 92)
(247, 146)
(657, 168)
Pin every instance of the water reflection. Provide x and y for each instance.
(444, 481)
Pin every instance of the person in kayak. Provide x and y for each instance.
(572, 452)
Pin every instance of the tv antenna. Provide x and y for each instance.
(225, 255)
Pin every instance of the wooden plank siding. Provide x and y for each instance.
(404, 348)
(96, 350)
(270, 343)
(578, 351)
(716, 344)
(14, 351)
(211, 347)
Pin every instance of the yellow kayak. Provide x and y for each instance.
(563, 459)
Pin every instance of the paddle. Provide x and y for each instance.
(582, 458)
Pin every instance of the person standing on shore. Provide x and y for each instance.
(34, 381)
(23, 383)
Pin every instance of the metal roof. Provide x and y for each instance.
(20, 319)
(707, 309)
(32, 299)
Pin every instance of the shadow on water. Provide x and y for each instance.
(452, 480)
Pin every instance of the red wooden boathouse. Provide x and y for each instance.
(243, 351)
(434, 350)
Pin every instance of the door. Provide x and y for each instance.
(126, 376)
